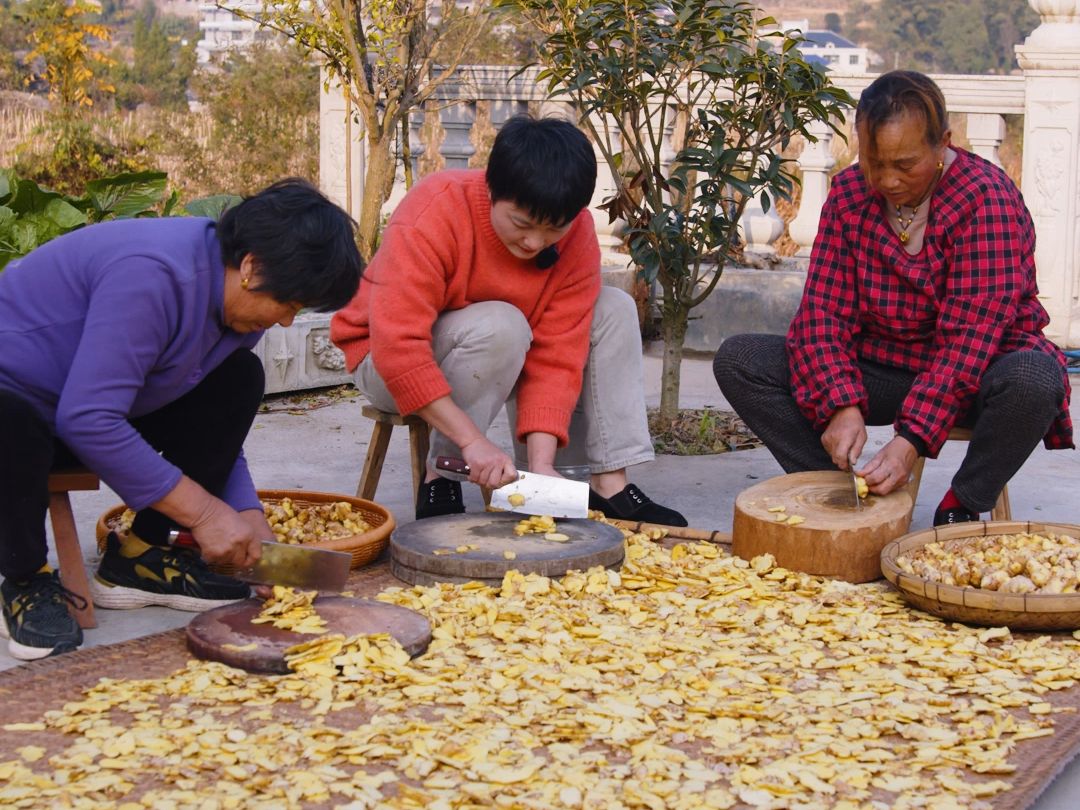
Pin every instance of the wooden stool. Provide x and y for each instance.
(419, 434)
(1001, 510)
(72, 567)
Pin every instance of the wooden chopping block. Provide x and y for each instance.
(413, 548)
(226, 634)
(836, 540)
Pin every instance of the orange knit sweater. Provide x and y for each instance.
(439, 252)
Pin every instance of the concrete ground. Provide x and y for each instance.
(323, 449)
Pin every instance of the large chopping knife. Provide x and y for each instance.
(288, 564)
(531, 493)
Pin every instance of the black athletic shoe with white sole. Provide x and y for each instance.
(37, 622)
(135, 574)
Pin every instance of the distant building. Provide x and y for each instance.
(223, 31)
(835, 52)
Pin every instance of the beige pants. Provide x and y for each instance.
(481, 350)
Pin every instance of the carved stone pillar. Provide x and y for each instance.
(341, 148)
(457, 121)
(985, 132)
(1050, 58)
(417, 147)
(815, 162)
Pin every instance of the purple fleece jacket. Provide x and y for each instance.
(113, 321)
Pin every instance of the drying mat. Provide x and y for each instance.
(27, 691)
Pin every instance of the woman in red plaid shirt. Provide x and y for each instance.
(920, 310)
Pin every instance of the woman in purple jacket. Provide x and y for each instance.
(126, 346)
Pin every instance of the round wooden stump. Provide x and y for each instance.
(226, 634)
(835, 539)
(427, 551)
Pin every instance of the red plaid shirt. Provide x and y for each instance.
(967, 297)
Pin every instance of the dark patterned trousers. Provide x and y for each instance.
(1017, 401)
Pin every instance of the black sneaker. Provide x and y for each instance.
(37, 622)
(135, 574)
(958, 514)
(439, 497)
(633, 504)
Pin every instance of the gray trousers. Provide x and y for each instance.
(481, 351)
(1017, 401)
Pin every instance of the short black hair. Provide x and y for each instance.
(903, 92)
(303, 245)
(546, 166)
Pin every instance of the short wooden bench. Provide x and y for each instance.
(68, 551)
(1001, 510)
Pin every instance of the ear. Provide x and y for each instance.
(946, 139)
(247, 268)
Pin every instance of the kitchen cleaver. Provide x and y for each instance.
(288, 564)
(854, 484)
(541, 494)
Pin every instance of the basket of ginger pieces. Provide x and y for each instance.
(1025, 576)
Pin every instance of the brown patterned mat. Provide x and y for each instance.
(33, 688)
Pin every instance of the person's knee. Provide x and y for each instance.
(498, 324)
(615, 308)
(739, 353)
(1030, 375)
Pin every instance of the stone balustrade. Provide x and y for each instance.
(452, 129)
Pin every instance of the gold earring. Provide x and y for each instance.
(940, 165)
(243, 283)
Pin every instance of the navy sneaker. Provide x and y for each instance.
(439, 497)
(633, 504)
(135, 574)
(37, 622)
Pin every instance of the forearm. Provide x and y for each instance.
(445, 416)
(189, 504)
(541, 448)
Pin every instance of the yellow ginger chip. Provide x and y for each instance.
(516, 499)
(289, 609)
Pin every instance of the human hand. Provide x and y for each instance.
(891, 468)
(226, 536)
(845, 436)
(488, 465)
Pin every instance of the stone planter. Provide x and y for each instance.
(301, 356)
(746, 300)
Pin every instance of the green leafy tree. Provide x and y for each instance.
(691, 108)
(14, 31)
(390, 56)
(161, 65)
(263, 106)
(945, 36)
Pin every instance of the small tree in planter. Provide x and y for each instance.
(690, 104)
(390, 57)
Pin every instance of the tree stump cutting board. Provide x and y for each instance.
(836, 540)
(226, 634)
(426, 552)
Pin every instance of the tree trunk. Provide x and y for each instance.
(378, 183)
(673, 324)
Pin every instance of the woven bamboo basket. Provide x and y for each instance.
(1019, 611)
(364, 547)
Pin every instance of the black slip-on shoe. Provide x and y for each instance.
(439, 497)
(633, 504)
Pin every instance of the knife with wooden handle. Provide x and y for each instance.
(532, 493)
(290, 564)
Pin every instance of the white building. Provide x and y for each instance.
(222, 30)
(838, 54)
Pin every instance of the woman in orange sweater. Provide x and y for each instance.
(486, 291)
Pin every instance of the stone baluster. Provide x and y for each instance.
(457, 121)
(759, 228)
(341, 148)
(985, 132)
(1050, 59)
(815, 162)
